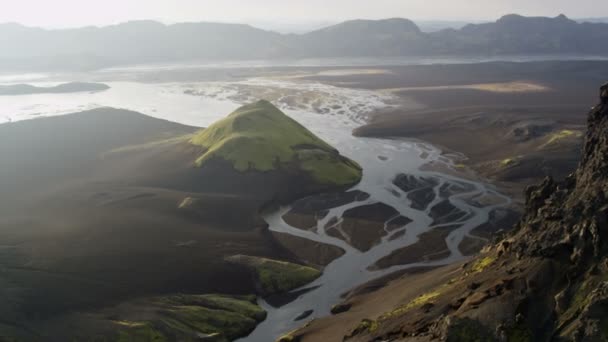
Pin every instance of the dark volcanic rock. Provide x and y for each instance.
(303, 315)
(340, 308)
(421, 191)
(399, 221)
(317, 203)
(421, 198)
(364, 226)
(430, 246)
(501, 219)
(408, 183)
(306, 211)
(604, 93)
(450, 189)
(378, 212)
(446, 212)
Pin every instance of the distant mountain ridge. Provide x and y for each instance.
(152, 42)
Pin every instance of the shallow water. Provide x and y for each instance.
(331, 113)
(352, 269)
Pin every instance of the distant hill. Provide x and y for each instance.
(152, 42)
(72, 87)
(593, 20)
(438, 25)
(515, 34)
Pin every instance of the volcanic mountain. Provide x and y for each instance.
(259, 137)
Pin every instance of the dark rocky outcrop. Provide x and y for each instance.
(340, 308)
(546, 281)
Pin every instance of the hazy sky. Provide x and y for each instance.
(70, 13)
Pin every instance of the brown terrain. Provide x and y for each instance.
(101, 207)
(514, 123)
(544, 281)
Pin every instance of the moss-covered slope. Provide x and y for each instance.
(274, 276)
(259, 137)
(179, 317)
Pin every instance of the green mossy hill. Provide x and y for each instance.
(260, 137)
(178, 317)
(191, 318)
(276, 276)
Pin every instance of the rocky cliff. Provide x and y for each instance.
(546, 281)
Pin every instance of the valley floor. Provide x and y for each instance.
(509, 124)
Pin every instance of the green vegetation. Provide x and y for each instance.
(430, 296)
(326, 169)
(482, 264)
(278, 276)
(423, 299)
(243, 305)
(366, 325)
(262, 138)
(294, 335)
(507, 162)
(140, 332)
(289, 337)
(561, 135)
(416, 303)
(286, 338)
(184, 317)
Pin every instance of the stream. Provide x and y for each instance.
(331, 113)
(381, 160)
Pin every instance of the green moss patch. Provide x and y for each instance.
(262, 138)
(419, 301)
(276, 276)
(482, 264)
(558, 137)
(190, 318)
(512, 161)
(140, 332)
(365, 326)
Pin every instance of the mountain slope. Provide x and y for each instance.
(515, 34)
(106, 220)
(259, 137)
(96, 47)
(389, 37)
